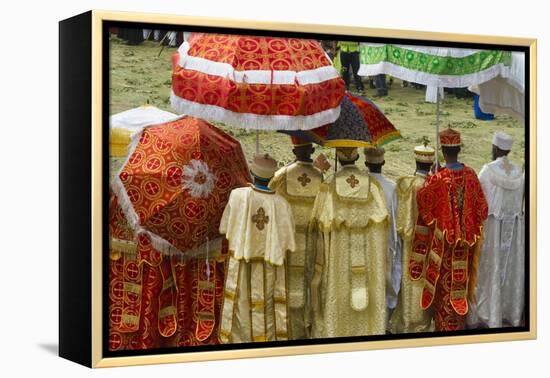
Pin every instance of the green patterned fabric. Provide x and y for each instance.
(434, 64)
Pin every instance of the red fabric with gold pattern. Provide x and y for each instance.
(258, 99)
(246, 80)
(199, 300)
(453, 205)
(432, 272)
(461, 256)
(146, 251)
(247, 53)
(125, 275)
(445, 316)
(421, 246)
(156, 185)
(155, 180)
(167, 321)
(205, 303)
(437, 204)
(380, 128)
(179, 303)
(147, 335)
(134, 287)
(449, 138)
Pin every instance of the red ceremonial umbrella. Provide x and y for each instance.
(256, 82)
(361, 124)
(381, 130)
(176, 183)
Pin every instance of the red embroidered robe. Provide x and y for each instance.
(157, 301)
(452, 209)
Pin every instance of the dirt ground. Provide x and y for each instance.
(139, 75)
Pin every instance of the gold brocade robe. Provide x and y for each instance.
(260, 229)
(408, 316)
(349, 234)
(299, 184)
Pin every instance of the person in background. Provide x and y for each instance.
(259, 226)
(381, 86)
(480, 114)
(349, 59)
(452, 210)
(374, 160)
(499, 293)
(299, 184)
(408, 316)
(329, 47)
(349, 234)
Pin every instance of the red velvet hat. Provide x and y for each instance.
(449, 138)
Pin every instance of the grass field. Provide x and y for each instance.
(139, 76)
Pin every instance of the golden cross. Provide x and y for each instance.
(304, 179)
(260, 218)
(352, 181)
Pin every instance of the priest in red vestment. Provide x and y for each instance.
(446, 245)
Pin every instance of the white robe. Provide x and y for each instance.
(393, 260)
(500, 288)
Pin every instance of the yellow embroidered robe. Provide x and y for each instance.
(299, 184)
(408, 316)
(259, 227)
(349, 230)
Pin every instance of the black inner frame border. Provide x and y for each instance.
(106, 25)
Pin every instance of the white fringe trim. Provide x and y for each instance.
(226, 70)
(253, 121)
(160, 244)
(447, 81)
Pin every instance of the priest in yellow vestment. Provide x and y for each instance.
(349, 230)
(259, 226)
(408, 316)
(299, 184)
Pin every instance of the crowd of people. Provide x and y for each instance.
(353, 253)
(306, 251)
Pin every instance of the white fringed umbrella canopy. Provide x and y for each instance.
(261, 83)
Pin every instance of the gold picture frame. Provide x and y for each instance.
(94, 180)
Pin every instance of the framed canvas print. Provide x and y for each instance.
(234, 189)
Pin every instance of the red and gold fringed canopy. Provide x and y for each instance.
(256, 82)
(176, 183)
(360, 124)
(381, 130)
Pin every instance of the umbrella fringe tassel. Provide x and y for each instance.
(253, 121)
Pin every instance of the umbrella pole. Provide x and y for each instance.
(437, 129)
